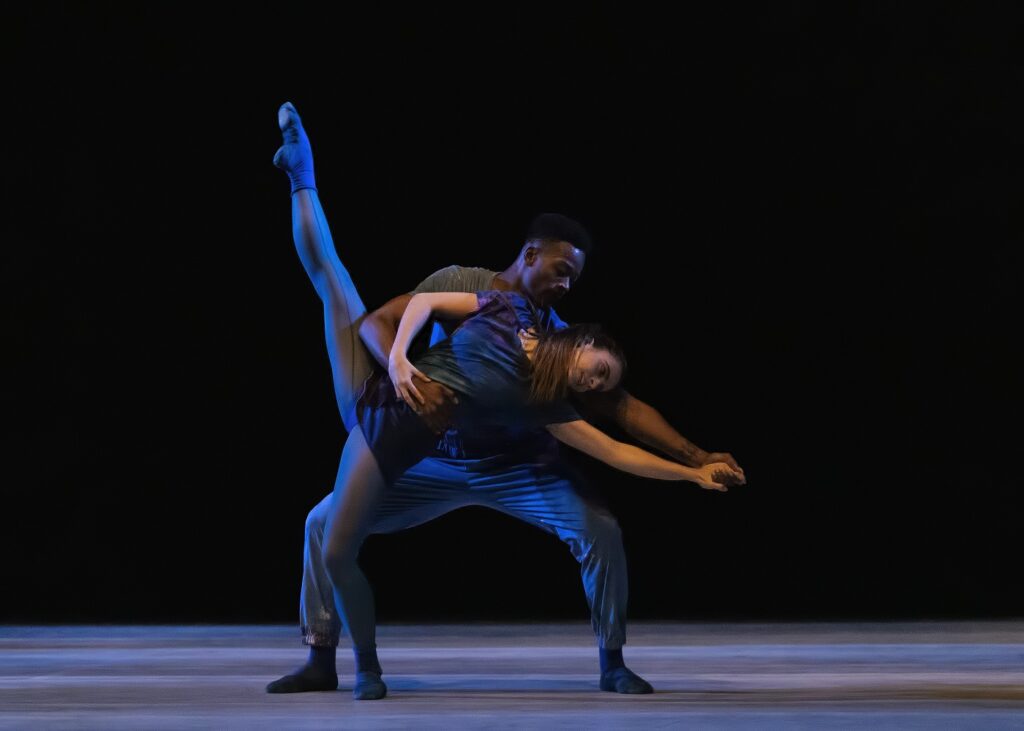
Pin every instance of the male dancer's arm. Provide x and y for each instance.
(643, 422)
(584, 437)
(379, 328)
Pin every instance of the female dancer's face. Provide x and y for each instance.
(594, 369)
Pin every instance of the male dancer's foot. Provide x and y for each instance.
(318, 673)
(624, 680)
(617, 678)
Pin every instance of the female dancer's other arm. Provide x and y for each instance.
(592, 441)
(644, 423)
(421, 307)
(377, 332)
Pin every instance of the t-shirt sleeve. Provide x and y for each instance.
(456, 278)
(443, 280)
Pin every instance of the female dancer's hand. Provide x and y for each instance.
(402, 373)
(717, 475)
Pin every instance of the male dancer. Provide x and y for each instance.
(517, 473)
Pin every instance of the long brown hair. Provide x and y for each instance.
(554, 354)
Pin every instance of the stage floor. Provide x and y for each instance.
(878, 676)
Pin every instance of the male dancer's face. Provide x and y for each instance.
(551, 270)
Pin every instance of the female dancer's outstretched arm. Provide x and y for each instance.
(590, 440)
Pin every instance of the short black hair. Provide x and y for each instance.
(556, 227)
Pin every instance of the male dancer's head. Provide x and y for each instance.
(551, 259)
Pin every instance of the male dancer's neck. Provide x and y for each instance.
(507, 281)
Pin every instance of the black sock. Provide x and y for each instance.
(611, 659)
(322, 658)
(319, 673)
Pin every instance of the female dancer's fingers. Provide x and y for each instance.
(416, 372)
(403, 393)
(416, 393)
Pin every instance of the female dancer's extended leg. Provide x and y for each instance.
(359, 484)
(343, 308)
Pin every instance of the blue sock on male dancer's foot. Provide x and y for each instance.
(369, 686)
(616, 677)
(295, 156)
(318, 673)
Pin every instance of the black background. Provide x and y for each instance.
(807, 220)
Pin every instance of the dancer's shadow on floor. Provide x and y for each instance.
(490, 684)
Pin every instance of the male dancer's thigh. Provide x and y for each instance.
(429, 489)
(553, 497)
(549, 495)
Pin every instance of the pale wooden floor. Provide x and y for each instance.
(877, 676)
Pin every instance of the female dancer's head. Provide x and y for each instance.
(578, 358)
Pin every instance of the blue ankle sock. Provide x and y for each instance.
(295, 156)
(611, 659)
(366, 660)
